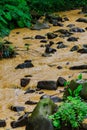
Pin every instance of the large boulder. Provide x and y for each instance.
(39, 118)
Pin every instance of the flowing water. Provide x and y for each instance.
(45, 68)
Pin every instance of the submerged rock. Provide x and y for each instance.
(77, 29)
(51, 35)
(49, 50)
(74, 48)
(39, 118)
(40, 37)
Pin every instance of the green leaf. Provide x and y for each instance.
(80, 76)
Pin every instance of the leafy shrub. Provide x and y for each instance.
(70, 113)
(6, 51)
(13, 14)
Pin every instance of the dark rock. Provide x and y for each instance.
(70, 25)
(39, 117)
(51, 43)
(40, 37)
(56, 23)
(17, 32)
(56, 99)
(51, 35)
(41, 92)
(53, 98)
(28, 75)
(72, 39)
(65, 32)
(84, 20)
(50, 50)
(85, 46)
(2, 123)
(24, 82)
(27, 38)
(52, 17)
(39, 26)
(44, 96)
(26, 64)
(61, 81)
(66, 19)
(84, 9)
(29, 91)
(59, 67)
(74, 48)
(67, 63)
(82, 51)
(22, 121)
(49, 85)
(44, 41)
(61, 45)
(30, 102)
(76, 29)
(78, 67)
(17, 108)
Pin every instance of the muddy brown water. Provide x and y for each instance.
(10, 90)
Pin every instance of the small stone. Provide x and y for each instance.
(30, 102)
(2, 123)
(24, 82)
(61, 81)
(72, 39)
(51, 35)
(74, 48)
(40, 37)
(17, 108)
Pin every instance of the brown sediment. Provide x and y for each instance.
(10, 92)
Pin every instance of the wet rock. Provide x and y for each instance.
(82, 51)
(2, 123)
(26, 64)
(17, 32)
(29, 91)
(49, 85)
(24, 82)
(22, 121)
(40, 37)
(39, 26)
(51, 43)
(52, 17)
(78, 67)
(72, 39)
(56, 99)
(50, 50)
(84, 20)
(84, 9)
(51, 35)
(65, 32)
(44, 108)
(30, 102)
(61, 81)
(74, 48)
(44, 41)
(56, 23)
(61, 45)
(17, 108)
(73, 86)
(59, 67)
(70, 25)
(44, 96)
(66, 19)
(53, 98)
(77, 29)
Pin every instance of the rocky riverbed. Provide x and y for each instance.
(60, 50)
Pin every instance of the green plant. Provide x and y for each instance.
(70, 113)
(13, 14)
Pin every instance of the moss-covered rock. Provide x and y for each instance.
(39, 118)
